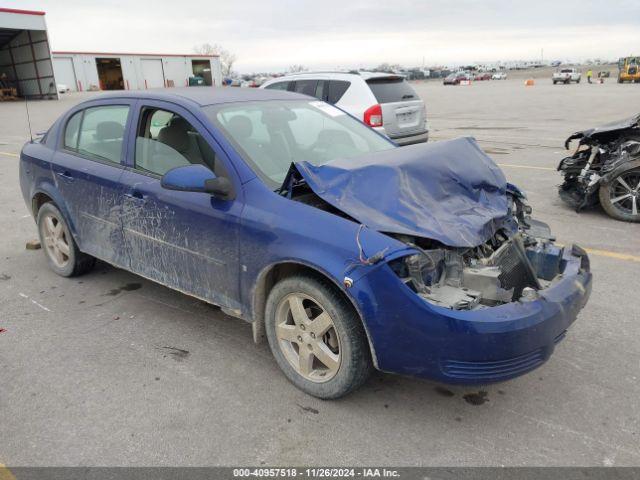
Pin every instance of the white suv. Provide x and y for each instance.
(384, 101)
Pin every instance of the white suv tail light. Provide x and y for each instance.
(373, 116)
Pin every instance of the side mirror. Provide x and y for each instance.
(197, 178)
(219, 187)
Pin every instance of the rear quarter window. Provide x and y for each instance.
(337, 89)
(392, 89)
(71, 131)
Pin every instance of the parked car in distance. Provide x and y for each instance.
(566, 75)
(455, 78)
(62, 88)
(256, 201)
(499, 76)
(483, 76)
(383, 101)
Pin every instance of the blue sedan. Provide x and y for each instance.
(345, 251)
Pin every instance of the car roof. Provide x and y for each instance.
(203, 96)
(336, 75)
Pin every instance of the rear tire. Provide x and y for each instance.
(58, 244)
(620, 202)
(305, 316)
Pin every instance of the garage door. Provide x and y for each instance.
(64, 72)
(152, 73)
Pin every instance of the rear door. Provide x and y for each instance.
(87, 167)
(403, 112)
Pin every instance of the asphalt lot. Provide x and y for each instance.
(111, 369)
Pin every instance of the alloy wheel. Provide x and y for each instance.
(624, 193)
(307, 337)
(55, 240)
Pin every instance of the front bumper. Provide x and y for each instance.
(410, 336)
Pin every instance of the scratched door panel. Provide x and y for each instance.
(184, 240)
(92, 192)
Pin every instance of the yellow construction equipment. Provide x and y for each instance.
(629, 69)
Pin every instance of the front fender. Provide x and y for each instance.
(622, 167)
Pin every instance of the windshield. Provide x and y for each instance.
(270, 135)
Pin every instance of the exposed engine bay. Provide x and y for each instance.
(605, 169)
(505, 269)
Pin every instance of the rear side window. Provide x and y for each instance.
(71, 132)
(278, 86)
(392, 89)
(98, 132)
(337, 88)
(306, 87)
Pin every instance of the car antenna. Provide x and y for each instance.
(26, 106)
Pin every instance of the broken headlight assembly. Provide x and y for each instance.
(503, 270)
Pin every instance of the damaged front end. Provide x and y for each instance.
(602, 155)
(467, 288)
(475, 243)
(509, 267)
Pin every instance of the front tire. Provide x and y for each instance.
(58, 244)
(316, 337)
(620, 197)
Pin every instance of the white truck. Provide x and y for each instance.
(566, 75)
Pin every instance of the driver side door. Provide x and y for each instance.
(184, 240)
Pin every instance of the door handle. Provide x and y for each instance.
(66, 175)
(135, 195)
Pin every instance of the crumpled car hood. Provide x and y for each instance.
(632, 122)
(449, 191)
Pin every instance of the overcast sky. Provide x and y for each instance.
(271, 35)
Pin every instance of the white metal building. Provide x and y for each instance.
(25, 58)
(81, 71)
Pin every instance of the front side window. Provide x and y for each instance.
(278, 86)
(98, 132)
(270, 135)
(166, 140)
